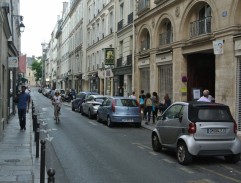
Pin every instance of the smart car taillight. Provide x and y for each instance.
(235, 127)
(192, 128)
(113, 106)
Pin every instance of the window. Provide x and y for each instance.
(165, 78)
(173, 112)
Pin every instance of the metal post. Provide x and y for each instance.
(33, 111)
(51, 173)
(34, 122)
(42, 162)
(37, 139)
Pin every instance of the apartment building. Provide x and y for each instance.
(184, 46)
(10, 50)
(168, 46)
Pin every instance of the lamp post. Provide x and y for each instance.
(19, 21)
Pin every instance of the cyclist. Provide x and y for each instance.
(57, 102)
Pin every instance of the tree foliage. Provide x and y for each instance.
(37, 67)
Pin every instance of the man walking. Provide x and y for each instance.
(23, 99)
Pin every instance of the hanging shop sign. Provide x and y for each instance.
(109, 56)
(13, 62)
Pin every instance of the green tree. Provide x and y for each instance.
(37, 67)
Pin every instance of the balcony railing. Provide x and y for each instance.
(130, 18)
(119, 62)
(200, 27)
(129, 60)
(143, 5)
(166, 37)
(120, 24)
(145, 45)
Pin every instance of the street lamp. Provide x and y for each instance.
(21, 26)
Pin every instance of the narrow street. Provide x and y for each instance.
(82, 150)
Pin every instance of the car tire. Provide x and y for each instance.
(183, 156)
(232, 158)
(89, 114)
(73, 109)
(81, 111)
(156, 145)
(98, 117)
(138, 125)
(109, 123)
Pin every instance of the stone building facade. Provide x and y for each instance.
(177, 50)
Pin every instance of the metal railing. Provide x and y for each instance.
(129, 60)
(119, 62)
(120, 25)
(166, 37)
(130, 18)
(143, 5)
(199, 27)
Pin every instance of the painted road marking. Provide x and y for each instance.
(187, 170)
(168, 161)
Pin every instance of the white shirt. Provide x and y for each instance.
(203, 99)
(57, 99)
(133, 96)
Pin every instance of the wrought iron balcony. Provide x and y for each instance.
(120, 24)
(129, 60)
(130, 18)
(145, 45)
(166, 38)
(199, 27)
(143, 5)
(119, 62)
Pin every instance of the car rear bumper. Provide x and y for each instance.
(126, 119)
(213, 148)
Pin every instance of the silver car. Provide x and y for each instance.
(91, 104)
(197, 129)
(120, 110)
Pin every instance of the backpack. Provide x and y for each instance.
(148, 102)
(141, 101)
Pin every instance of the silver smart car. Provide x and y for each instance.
(197, 129)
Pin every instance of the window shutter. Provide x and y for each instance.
(238, 114)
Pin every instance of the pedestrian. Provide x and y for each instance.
(155, 105)
(142, 97)
(148, 107)
(204, 98)
(165, 104)
(23, 99)
(133, 95)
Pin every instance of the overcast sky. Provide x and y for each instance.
(40, 17)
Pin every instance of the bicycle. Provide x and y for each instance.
(57, 111)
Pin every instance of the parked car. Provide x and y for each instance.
(197, 129)
(46, 91)
(91, 104)
(119, 110)
(76, 103)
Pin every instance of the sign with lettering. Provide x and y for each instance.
(13, 62)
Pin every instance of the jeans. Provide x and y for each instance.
(22, 118)
(148, 111)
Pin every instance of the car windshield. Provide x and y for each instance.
(126, 102)
(99, 100)
(210, 114)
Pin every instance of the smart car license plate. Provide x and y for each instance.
(127, 120)
(216, 130)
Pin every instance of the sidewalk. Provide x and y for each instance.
(18, 162)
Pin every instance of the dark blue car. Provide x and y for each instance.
(76, 104)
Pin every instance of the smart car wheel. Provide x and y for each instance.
(183, 156)
(156, 145)
(109, 123)
(73, 109)
(232, 158)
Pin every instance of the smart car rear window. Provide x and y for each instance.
(126, 102)
(206, 114)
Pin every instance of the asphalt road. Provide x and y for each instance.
(85, 151)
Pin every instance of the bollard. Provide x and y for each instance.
(51, 173)
(33, 111)
(36, 130)
(37, 139)
(42, 162)
(34, 122)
